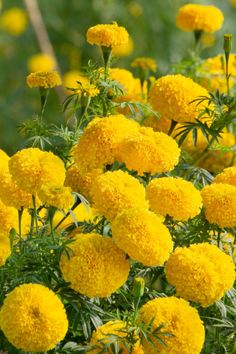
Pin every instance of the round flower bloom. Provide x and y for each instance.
(179, 319)
(200, 273)
(157, 124)
(147, 151)
(141, 234)
(31, 168)
(228, 176)
(219, 201)
(108, 35)
(14, 21)
(144, 63)
(116, 191)
(96, 266)
(123, 50)
(5, 249)
(173, 95)
(57, 196)
(33, 318)
(41, 62)
(71, 79)
(117, 331)
(125, 79)
(81, 182)
(196, 17)
(43, 79)
(97, 146)
(87, 90)
(4, 158)
(8, 218)
(174, 197)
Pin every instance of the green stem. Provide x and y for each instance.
(20, 212)
(227, 72)
(35, 213)
(197, 35)
(78, 201)
(43, 98)
(51, 213)
(107, 55)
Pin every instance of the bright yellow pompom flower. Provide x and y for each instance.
(219, 201)
(196, 17)
(41, 62)
(44, 79)
(174, 197)
(141, 234)
(228, 176)
(31, 168)
(146, 151)
(145, 63)
(8, 218)
(172, 96)
(116, 191)
(114, 332)
(33, 318)
(123, 50)
(14, 21)
(200, 273)
(107, 35)
(71, 79)
(179, 319)
(5, 248)
(98, 144)
(57, 196)
(96, 267)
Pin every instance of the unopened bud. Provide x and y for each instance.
(139, 285)
(227, 43)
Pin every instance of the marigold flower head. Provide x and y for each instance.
(147, 151)
(144, 63)
(96, 266)
(57, 196)
(87, 90)
(117, 331)
(196, 17)
(8, 218)
(219, 201)
(4, 158)
(97, 146)
(157, 124)
(141, 234)
(31, 168)
(125, 79)
(116, 191)
(174, 197)
(227, 176)
(81, 181)
(33, 318)
(107, 35)
(123, 50)
(5, 249)
(179, 319)
(71, 79)
(173, 95)
(14, 21)
(41, 62)
(200, 273)
(43, 79)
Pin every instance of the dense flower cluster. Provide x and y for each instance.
(180, 92)
(196, 17)
(200, 273)
(141, 234)
(96, 267)
(44, 79)
(108, 35)
(33, 318)
(174, 197)
(179, 319)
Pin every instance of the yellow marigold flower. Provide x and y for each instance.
(57, 196)
(96, 267)
(144, 63)
(148, 151)
(123, 50)
(219, 201)
(116, 191)
(87, 90)
(108, 35)
(8, 218)
(208, 39)
(173, 95)
(233, 2)
(117, 331)
(71, 78)
(97, 146)
(200, 273)
(5, 249)
(31, 168)
(4, 158)
(228, 176)
(81, 181)
(179, 319)
(41, 62)
(44, 79)
(141, 234)
(14, 21)
(158, 124)
(196, 17)
(135, 9)
(125, 79)
(33, 318)
(174, 197)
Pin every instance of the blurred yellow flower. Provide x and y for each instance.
(124, 50)
(71, 78)
(144, 63)
(41, 62)
(14, 21)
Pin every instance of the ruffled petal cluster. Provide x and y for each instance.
(5, 249)
(43, 79)
(200, 273)
(96, 266)
(107, 35)
(228, 176)
(57, 196)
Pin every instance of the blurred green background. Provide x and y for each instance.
(151, 24)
